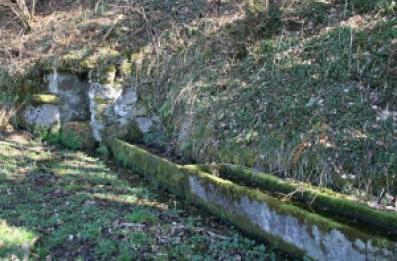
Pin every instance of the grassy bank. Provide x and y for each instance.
(305, 90)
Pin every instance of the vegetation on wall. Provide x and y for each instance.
(303, 89)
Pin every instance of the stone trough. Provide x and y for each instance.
(291, 228)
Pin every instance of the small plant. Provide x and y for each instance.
(143, 215)
(7, 104)
(77, 135)
(365, 6)
(6, 113)
(103, 151)
(71, 140)
(106, 248)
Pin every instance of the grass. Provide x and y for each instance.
(299, 105)
(66, 205)
(299, 91)
(8, 100)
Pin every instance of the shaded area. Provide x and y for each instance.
(66, 205)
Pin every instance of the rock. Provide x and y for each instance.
(145, 124)
(96, 127)
(103, 93)
(73, 98)
(125, 104)
(43, 117)
(110, 110)
(128, 132)
(78, 135)
(140, 110)
(102, 99)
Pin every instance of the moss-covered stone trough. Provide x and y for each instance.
(282, 224)
(320, 199)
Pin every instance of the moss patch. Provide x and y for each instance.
(160, 171)
(45, 99)
(129, 132)
(77, 135)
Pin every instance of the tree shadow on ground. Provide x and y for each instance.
(75, 207)
(54, 201)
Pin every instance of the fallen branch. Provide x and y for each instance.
(20, 10)
(119, 17)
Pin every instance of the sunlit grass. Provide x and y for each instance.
(61, 204)
(15, 240)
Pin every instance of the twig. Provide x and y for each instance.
(112, 27)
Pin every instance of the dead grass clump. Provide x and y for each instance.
(6, 114)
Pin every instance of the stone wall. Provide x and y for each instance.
(111, 109)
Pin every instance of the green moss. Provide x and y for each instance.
(158, 170)
(44, 133)
(248, 227)
(236, 192)
(143, 215)
(77, 135)
(174, 177)
(100, 100)
(101, 107)
(129, 132)
(108, 74)
(27, 88)
(318, 198)
(103, 151)
(125, 68)
(45, 99)
(137, 60)
(81, 61)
